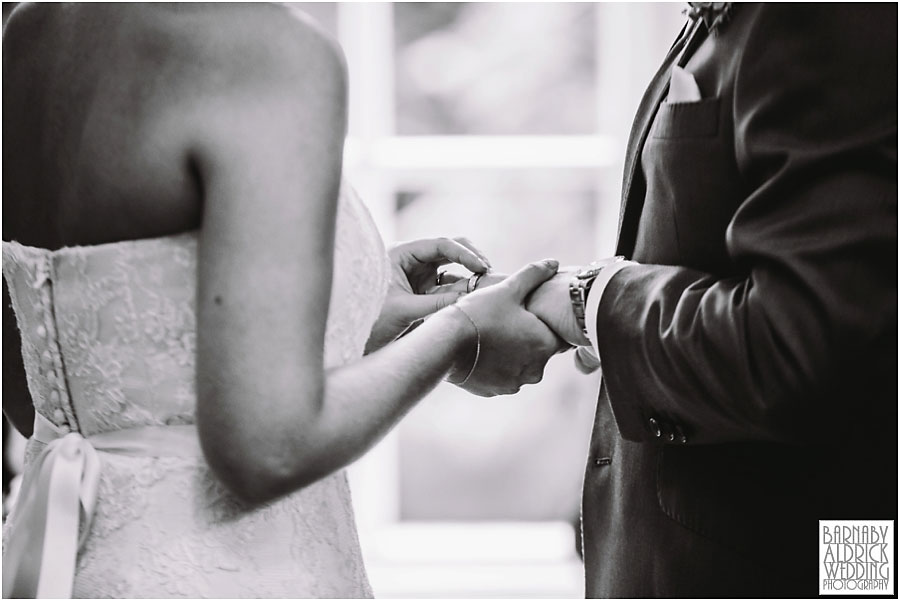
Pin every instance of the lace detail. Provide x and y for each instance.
(109, 341)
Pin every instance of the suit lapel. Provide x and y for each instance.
(630, 209)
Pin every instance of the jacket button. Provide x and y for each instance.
(654, 428)
(669, 432)
(679, 435)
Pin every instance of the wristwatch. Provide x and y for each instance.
(581, 284)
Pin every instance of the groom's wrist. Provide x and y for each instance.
(580, 287)
(595, 295)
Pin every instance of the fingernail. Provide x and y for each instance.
(551, 263)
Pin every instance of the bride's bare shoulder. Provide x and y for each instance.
(254, 34)
(228, 54)
(189, 43)
(260, 63)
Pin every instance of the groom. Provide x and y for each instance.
(749, 345)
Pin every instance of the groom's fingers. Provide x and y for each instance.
(585, 360)
(530, 277)
(445, 250)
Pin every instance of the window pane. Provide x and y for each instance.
(519, 457)
(492, 68)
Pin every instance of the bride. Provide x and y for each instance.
(210, 326)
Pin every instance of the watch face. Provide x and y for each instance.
(594, 268)
(590, 272)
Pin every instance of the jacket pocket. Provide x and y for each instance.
(751, 498)
(687, 119)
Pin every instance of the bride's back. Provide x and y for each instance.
(112, 111)
(90, 151)
(102, 104)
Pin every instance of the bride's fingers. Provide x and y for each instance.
(448, 278)
(522, 282)
(440, 251)
(468, 244)
(461, 282)
(452, 278)
(450, 283)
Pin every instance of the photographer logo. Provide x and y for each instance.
(856, 557)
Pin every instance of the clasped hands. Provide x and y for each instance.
(522, 319)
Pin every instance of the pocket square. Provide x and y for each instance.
(683, 87)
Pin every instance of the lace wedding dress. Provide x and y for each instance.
(108, 338)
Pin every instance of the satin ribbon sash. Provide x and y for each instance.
(58, 497)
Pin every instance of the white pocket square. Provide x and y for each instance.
(683, 87)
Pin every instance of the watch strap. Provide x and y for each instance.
(581, 284)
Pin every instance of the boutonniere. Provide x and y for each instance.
(714, 14)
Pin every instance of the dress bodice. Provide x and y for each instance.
(109, 331)
(109, 340)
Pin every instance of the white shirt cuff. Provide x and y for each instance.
(595, 295)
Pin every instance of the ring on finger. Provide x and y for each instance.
(439, 280)
(473, 282)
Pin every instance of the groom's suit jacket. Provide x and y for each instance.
(750, 358)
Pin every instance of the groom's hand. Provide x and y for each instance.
(552, 304)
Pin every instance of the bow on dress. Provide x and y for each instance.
(58, 497)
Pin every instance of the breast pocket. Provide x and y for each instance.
(687, 119)
(692, 183)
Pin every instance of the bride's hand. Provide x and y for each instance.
(513, 345)
(412, 293)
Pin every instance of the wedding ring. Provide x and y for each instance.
(473, 282)
(440, 276)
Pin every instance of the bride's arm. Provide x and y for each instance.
(268, 151)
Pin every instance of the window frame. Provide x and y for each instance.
(405, 558)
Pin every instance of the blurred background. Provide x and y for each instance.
(506, 123)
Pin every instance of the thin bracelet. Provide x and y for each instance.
(477, 346)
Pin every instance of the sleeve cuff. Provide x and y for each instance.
(593, 300)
